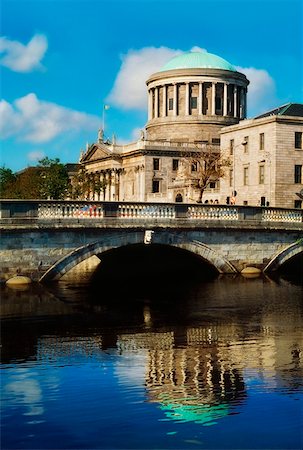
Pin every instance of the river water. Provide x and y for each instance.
(201, 364)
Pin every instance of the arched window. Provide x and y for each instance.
(179, 198)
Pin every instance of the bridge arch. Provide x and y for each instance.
(221, 264)
(284, 255)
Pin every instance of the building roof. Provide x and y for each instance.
(290, 109)
(197, 60)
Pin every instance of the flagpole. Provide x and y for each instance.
(103, 120)
(105, 107)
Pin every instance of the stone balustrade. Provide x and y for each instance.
(213, 213)
(146, 211)
(17, 211)
(70, 210)
(279, 215)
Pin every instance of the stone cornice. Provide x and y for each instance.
(249, 123)
(177, 75)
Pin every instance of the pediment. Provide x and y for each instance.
(95, 152)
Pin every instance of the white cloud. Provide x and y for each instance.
(129, 90)
(23, 58)
(198, 49)
(36, 121)
(35, 155)
(261, 90)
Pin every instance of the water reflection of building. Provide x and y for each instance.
(191, 382)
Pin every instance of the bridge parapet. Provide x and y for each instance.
(14, 211)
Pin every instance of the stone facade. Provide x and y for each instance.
(190, 109)
(265, 159)
(192, 105)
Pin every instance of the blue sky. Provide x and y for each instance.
(61, 60)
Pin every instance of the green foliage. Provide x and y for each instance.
(7, 179)
(48, 180)
(54, 177)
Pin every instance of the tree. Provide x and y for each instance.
(54, 176)
(204, 166)
(7, 179)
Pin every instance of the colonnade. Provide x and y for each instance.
(104, 185)
(213, 98)
(108, 184)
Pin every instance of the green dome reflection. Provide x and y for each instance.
(193, 411)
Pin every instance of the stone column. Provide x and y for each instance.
(175, 111)
(235, 101)
(225, 99)
(113, 184)
(200, 102)
(186, 99)
(164, 104)
(241, 102)
(150, 104)
(142, 173)
(156, 102)
(245, 101)
(213, 99)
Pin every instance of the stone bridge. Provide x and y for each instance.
(46, 239)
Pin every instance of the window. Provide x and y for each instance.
(245, 176)
(156, 186)
(298, 204)
(298, 174)
(170, 104)
(231, 146)
(231, 177)
(175, 164)
(298, 139)
(215, 141)
(212, 185)
(194, 166)
(262, 141)
(261, 174)
(156, 163)
(245, 144)
(193, 103)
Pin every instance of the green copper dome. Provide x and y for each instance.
(197, 60)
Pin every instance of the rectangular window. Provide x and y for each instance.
(231, 146)
(215, 141)
(193, 103)
(156, 163)
(175, 164)
(245, 144)
(262, 141)
(231, 177)
(194, 167)
(156, 186)
(298, 204)
(170, 104)
(245, 176)
(212, 185)
(298, 174)
(298, 140)
(261, 174)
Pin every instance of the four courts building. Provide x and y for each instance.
(197, 104)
